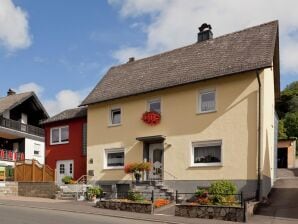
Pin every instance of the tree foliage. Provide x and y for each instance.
(288, 111)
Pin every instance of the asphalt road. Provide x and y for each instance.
(23, 215)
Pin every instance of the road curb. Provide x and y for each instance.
(92, 213)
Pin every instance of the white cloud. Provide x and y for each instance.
(31, 86)
(173, 23)
(64, 99)
(14, 28)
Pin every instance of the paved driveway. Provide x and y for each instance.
(283, 204)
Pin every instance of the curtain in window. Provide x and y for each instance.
(208, 101)
(208, 154)
(115, 159)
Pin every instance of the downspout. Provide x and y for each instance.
(258, 192)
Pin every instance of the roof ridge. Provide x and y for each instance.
(190, 45)
(3, 97)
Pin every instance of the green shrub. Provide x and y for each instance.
(223, 187)
(135, 196)
(94, 192)
(221, 190)
(66, 179)
(200, 192)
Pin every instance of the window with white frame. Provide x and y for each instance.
(207, 153)
(59, 135)
(207, 101)
(115, 116)
(36, 149)
(114, 158)
(154, 105)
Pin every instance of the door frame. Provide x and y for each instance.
(58, 162)
(283, 151)
(146, 155)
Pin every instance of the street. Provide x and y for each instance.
(23, 215)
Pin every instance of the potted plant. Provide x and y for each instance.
(94, 192)
(136, 169)
(67, 179)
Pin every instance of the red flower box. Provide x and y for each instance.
(151, 118)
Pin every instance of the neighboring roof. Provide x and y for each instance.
(241, 51)
(10, 102)
(67, 115)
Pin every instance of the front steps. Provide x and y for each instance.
(159, 189)
(8, 188)
(71, 191)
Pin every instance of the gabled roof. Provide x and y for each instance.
(10, 102)
(67, 115)
(237, 52)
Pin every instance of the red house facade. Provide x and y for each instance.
(66, 143)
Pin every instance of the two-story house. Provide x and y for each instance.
(66, 143)
(21, 135)
(213, 105)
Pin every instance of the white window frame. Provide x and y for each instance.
(154, 101)
(111, 117)
(36, 145)
(205, 143)
(114, 150)
(199, 100)
(59, 142)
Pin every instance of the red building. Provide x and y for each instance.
(66, 143)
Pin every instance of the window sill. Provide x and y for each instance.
(206, 112)
(59, 143)
(114, 168)
(114, 125)
(206, 165)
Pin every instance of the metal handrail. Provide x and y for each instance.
(19, 126)
(84, 179)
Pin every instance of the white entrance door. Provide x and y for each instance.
(156, 158)
(64, 168)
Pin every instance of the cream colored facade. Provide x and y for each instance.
(235, 123)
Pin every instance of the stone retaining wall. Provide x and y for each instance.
(9, 188)
(37, 189)
(235, 214)
(126, 206)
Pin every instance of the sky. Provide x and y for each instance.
(61, 48)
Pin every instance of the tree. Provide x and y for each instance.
(287, 109)
(288, 100)
(282, 130)
(291, 124)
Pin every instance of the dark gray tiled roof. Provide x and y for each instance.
(68, 114)
(9, 102)
(241, 51)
